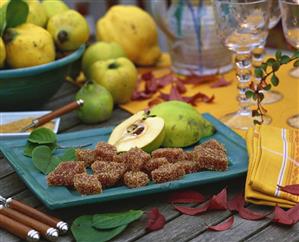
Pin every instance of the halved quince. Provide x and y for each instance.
(140, 130)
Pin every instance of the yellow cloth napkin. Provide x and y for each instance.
(273, 160)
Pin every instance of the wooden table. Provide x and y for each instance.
(178, 228)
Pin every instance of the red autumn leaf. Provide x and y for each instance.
(141, 95)
(192, 211)
(198, 97)
(235, 203)
(155, 220)
(186, 197)
(292, 189)
(147, 76)
(221, 82)
(180, 86)
(151, 86)
(225, 225)
(165, 80)
(282, 217)
(294, 213)
(250, 215)
(175, 94)
(219, 201)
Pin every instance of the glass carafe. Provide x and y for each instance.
(193, 44)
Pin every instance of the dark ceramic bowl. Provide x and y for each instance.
(27, 88)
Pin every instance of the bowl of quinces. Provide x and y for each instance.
(39, 44)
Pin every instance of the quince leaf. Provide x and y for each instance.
(16, 13)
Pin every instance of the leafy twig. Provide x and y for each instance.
(263, 72)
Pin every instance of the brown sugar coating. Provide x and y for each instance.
(211, 144)
(154, 163)
(86, 155)
(168, 172)
(108, 173)
(189, 166)
(171, 154)
(134, 159)
(105, 151)
(134, 179)
(87, 184)
(64, 173)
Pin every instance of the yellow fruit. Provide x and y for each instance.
(69, 29)
(28, 45)
(132, 28)
(2, 53)
(53, 7)
(37, 14)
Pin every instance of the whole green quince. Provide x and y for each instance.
(98, 103)
(119, 76)
(100, 51)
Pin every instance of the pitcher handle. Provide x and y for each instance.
(159, 11)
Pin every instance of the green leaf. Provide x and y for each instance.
(2, 19)
(42, 136)
(249, 93)
(258, 72)
(255, 113)
(275, 66)
(285, 59)
(84, 232)
(270, 61)
(69, 154)
(274, 80)
(261, 96)
(268, 87)
(41, 157)
(264, 66)
(278, 54)
(257, 122)
(296, 63)
(113, 220)
(16, 13)
(30, 146)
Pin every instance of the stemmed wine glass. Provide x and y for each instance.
(290, 23)
(242, 26)
(258, 54)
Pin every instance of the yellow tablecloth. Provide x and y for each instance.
(225, 97)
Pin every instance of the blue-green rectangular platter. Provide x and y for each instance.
(59, 197)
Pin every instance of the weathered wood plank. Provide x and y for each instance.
(277, 233)
(11, 185)
(5, 168)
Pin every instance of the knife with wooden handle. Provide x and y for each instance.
(45, 230)
(34, 213)
(56, 113)
(22, 231)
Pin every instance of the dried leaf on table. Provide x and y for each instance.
(235, 203)
(180, 86)
(186, 197)
(294, 213)
(155, 220)
(292, 189)
(194, 79)
(219, 201)
(251, 215)
(282, 217)
(198, 97)
(221, 82)
(192, 211)
(225, 225)
(141, 95)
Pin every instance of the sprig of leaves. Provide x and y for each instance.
(267, 73)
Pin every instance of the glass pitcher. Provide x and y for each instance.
(193, 44)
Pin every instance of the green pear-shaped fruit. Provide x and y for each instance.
(98, 103)
(100, 51)
(119, 76)
(140, 130)
(184, 125)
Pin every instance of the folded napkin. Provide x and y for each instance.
(273, 162)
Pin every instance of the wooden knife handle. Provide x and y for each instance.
(58, 112)
(24, 219)
(32, 212)
(14, 227)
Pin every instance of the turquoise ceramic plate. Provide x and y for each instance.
(58, 197)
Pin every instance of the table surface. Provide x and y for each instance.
(178, 228)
